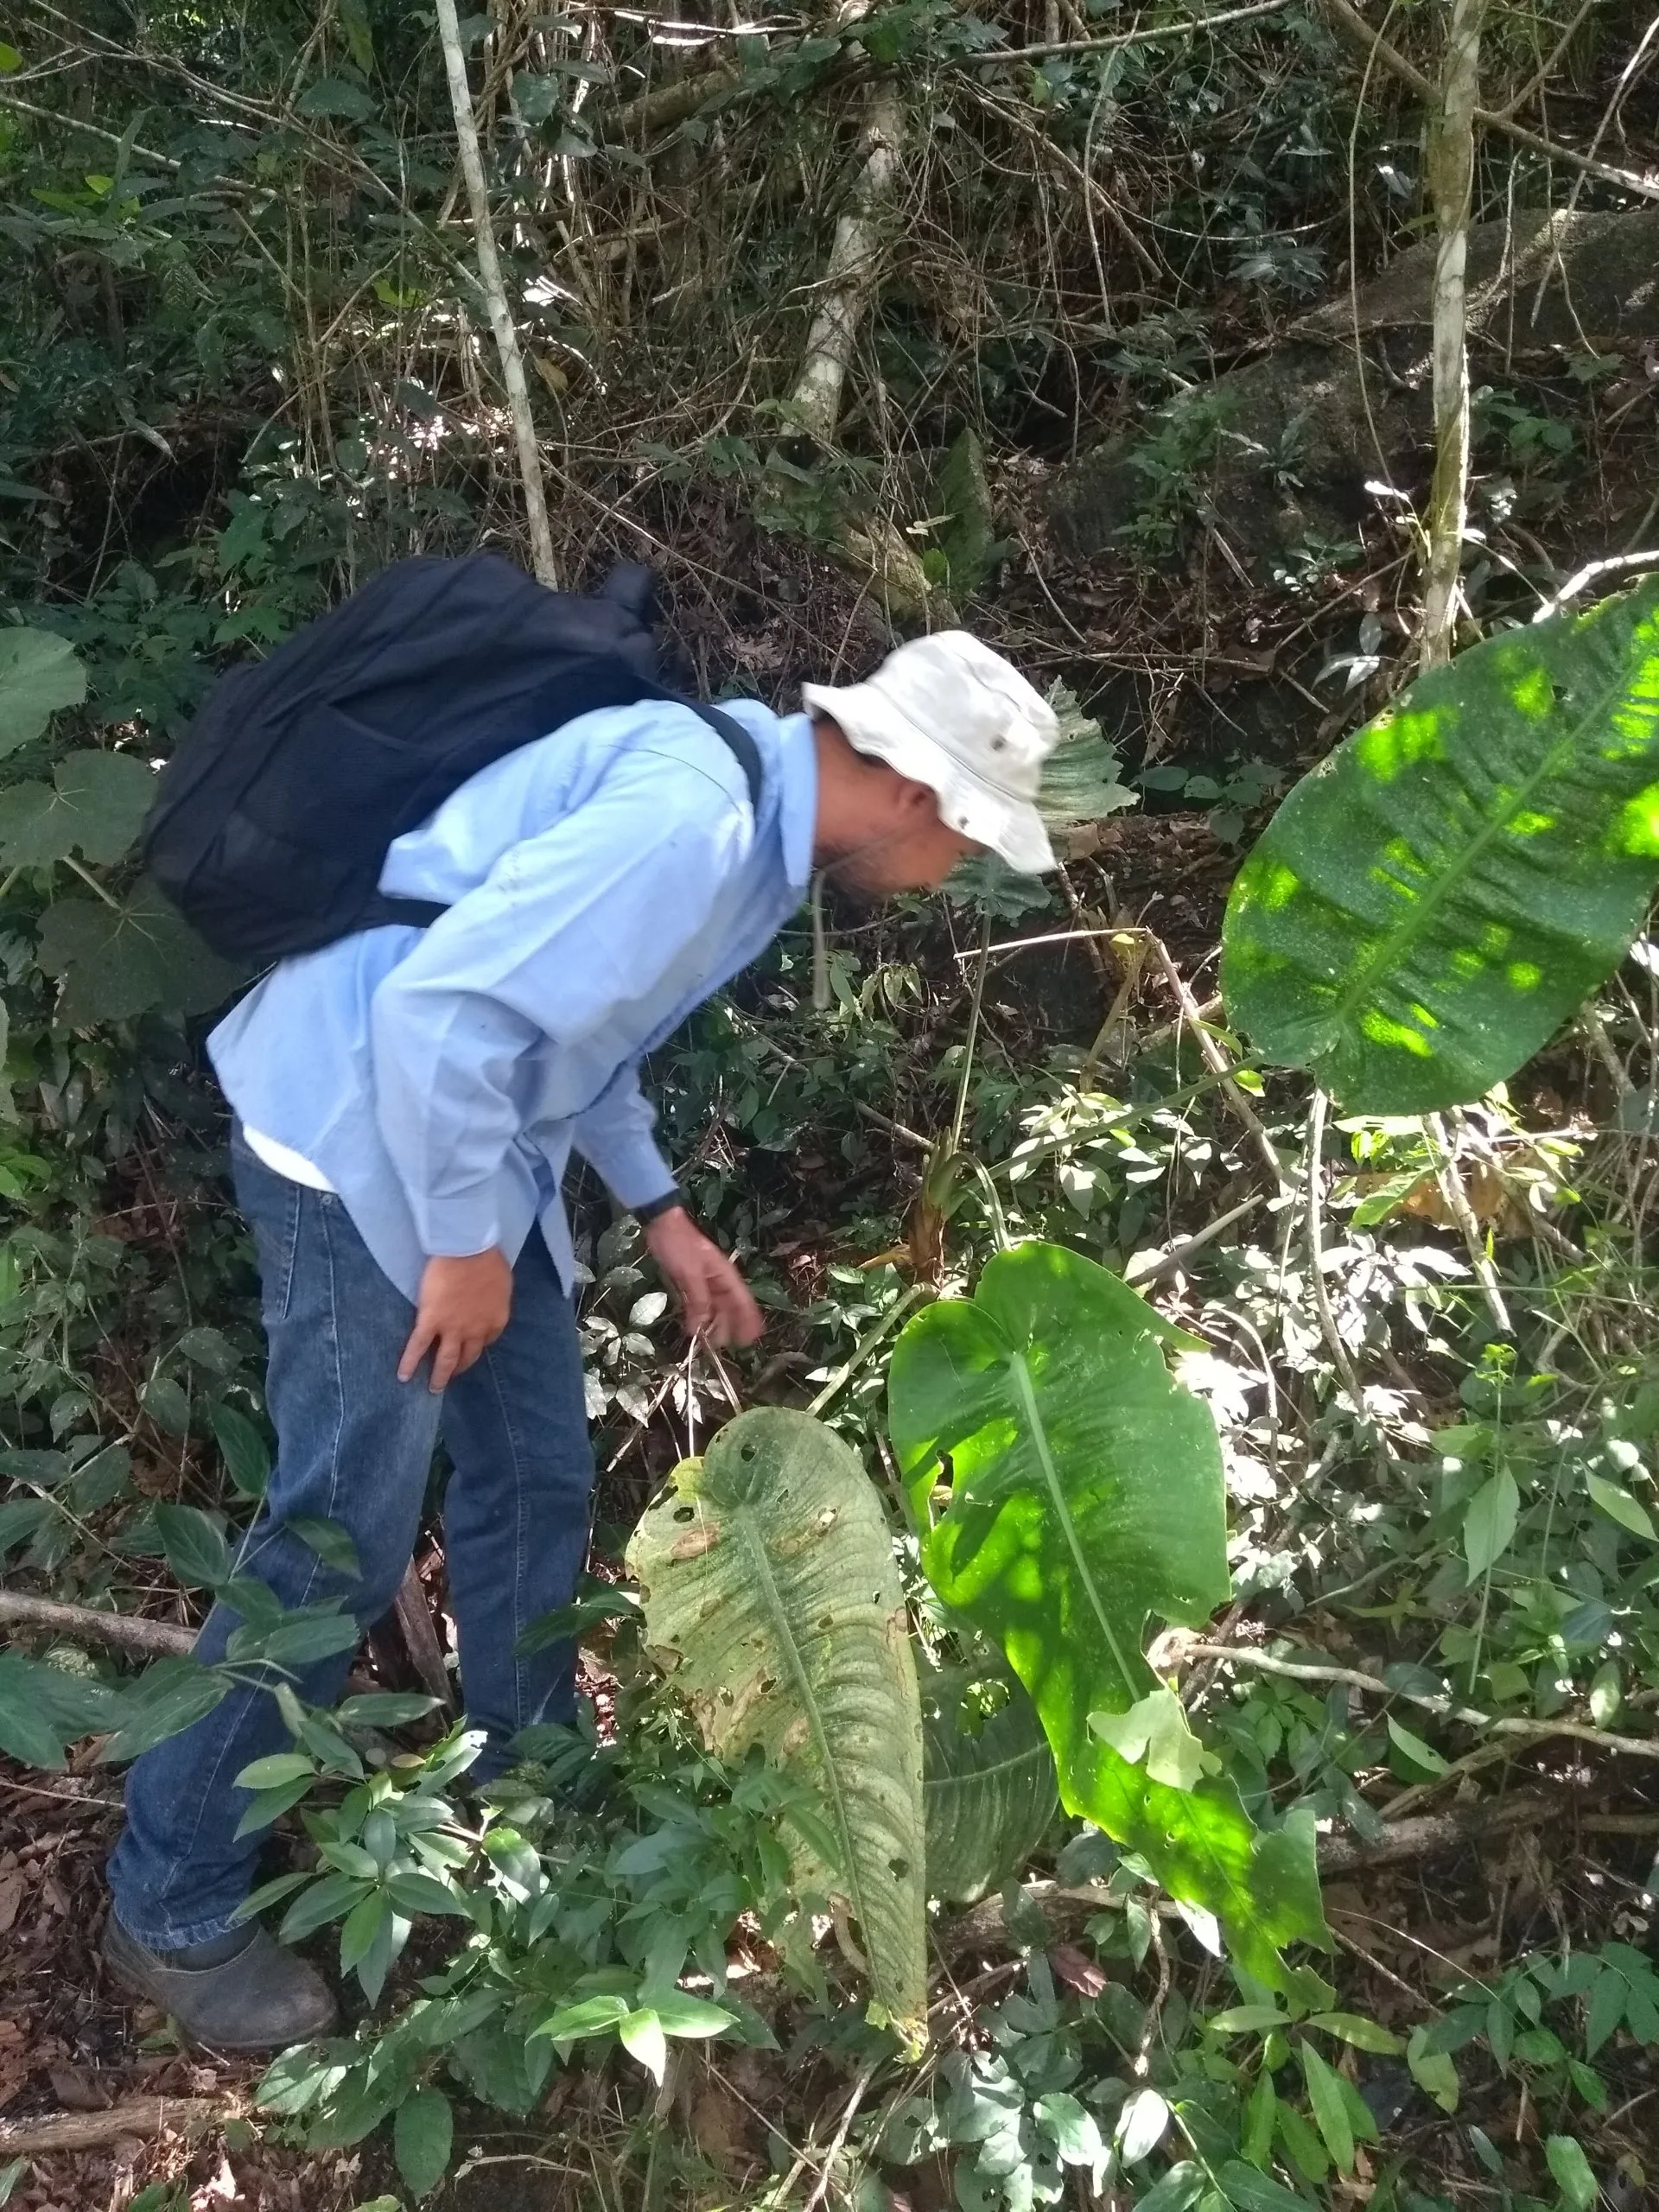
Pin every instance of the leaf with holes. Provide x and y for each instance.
(989, 1791)
(1434, 899)
(771, 1594)
(1086, 1501)
(39, 673)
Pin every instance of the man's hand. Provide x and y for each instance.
(463, 1308)
(713, 1296)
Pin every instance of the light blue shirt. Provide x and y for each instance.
(601, 882)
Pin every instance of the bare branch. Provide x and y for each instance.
(89, 2130)
(1348, 20)
(495, 297)
(124, 1631)
(1450, 161)
(854, 266)
(1467, 1716)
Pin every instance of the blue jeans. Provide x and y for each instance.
(354, 1445)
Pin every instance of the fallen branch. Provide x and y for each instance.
(1433, 1833)
(161, 1638)
(1444, 1708)
(91, 2130)
(1066, 1909)
(495, 297)
(1216, 1061)
(125, 1631)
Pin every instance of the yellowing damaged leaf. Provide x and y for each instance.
(771, 1596)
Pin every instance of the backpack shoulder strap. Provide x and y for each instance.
(421, 913)
(738, 742)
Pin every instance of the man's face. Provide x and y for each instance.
(915, 854)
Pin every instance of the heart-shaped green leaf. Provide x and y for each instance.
(1086, 1500)
(39, 673)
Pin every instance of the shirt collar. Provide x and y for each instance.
(798, 796)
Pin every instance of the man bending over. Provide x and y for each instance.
(406, 1102)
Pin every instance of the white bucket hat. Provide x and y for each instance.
(948, 712)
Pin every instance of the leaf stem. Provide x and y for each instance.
(867, 1345)
(961, 1114)
(90, 882)
(1338, 1350)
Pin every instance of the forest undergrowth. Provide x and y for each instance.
(842, 320)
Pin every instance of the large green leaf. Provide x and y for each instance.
(1433, 900)
(117, 962)
(770, 1589)
(1086, 1498)
(94, 806)
(988, 1787)
(39, 673)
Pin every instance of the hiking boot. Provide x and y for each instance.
(246, 1992)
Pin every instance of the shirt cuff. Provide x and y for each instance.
(458, 1227)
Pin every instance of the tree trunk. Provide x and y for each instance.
(1451, 174)
(495, 297)
(855, 265)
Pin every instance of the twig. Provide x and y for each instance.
(867, 1345)
(1338, 1350)
(60, 1796)
(1451, 164)
(501, 323)
(123, 1630)
(1350, 20)
(867, 1113)
(1546, 68)
(1622, 565)
(1216, 1061)
(1457, 1199)
(855, 265)
(988, 56)
(89, 2130)
(1184, 1246)
(826, 2172)
(1468, 1716)
(97, 131)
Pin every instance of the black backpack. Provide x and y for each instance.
(270, 825)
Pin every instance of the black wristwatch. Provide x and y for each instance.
(648, 1212)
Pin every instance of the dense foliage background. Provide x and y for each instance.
(1136, 384)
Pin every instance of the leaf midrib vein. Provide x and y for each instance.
(1405, 933)
(1022, 1375)
(748, 1519)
